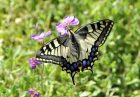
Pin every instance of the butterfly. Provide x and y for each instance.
(77, 51)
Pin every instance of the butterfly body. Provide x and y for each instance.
(76, 51)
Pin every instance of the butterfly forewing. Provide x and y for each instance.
(96, 32)
(53, 52)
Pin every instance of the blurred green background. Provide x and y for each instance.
(116, 73)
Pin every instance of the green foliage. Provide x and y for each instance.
(116, 73)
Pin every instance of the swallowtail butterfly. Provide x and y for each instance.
(78, 50)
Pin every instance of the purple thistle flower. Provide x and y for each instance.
(41, 36)
(36, 94)
(33, 93)
(62, 29)
(71, 20)
(33, 62)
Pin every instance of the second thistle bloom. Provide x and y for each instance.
(62, 29)
(33, 62)
(33, 93)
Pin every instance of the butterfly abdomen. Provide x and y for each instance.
(74, 46)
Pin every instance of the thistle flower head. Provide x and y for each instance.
(62, 28)
(33, 93)
(33, 62)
